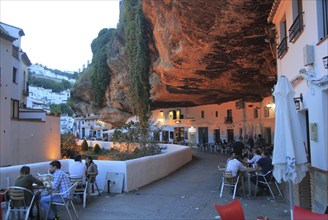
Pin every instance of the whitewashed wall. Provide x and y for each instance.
(137, 172)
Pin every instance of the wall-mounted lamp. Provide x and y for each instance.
(271, 105)
(325, 62)
(298, 102)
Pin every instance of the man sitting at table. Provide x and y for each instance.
(26, 180)
(77, 169)
(234, 166)
(265, 165)
(60, 184)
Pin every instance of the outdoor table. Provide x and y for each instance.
(248, 173)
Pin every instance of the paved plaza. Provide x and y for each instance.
(188, 193)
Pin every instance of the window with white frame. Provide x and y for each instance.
(322, 9)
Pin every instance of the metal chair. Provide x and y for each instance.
(81, 189)
(230, 181)
(93, 182)
(65, 201)
(231, 211)
(266, 179)
(18, 202)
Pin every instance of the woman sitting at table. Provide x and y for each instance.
(26, 180)
(255, 158)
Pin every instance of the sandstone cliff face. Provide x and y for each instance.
(209, 51)
(204, 52)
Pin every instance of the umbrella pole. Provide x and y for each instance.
(291, 199)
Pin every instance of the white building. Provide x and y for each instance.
(302, 49)
(209, 123)
(39, 70)
(66, 124)
(48, 96)
(27, 136)
(90, 127)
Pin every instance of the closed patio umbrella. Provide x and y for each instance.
(289, 156)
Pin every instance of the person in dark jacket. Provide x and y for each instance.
(26, 180)
(238, 146)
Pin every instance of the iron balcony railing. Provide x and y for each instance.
(282, 48)
(296, 28)
(228, 120)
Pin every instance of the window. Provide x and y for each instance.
(256, 113)
(216, 114)
(266, 112)
(14, 75)
(14, 108)
(228, 119)
(297, 27)
(322, 18)
(202, 114)
(282, 47)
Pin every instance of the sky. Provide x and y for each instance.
(58, 33)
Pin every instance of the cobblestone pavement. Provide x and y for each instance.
(188, 193)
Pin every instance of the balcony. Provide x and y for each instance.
(228, 120)
(296, 29)
(282, 48)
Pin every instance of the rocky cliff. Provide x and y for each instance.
(203, 52)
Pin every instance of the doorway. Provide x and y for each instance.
(230, 135)
(203, 135)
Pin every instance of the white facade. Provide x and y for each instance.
(302, 43)
(47, 96)
(66, 124)
(26, 136)
(39, 70)
(208, 123)
(90, 127)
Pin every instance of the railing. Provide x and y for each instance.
(296, 28)
(228, 120)
(282, 48)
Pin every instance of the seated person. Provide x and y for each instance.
(77, 169)
(234, 166)
(92, 171)
(255, 158)
(60, 184)
(26, 180)
(91, 168)
(265, 165)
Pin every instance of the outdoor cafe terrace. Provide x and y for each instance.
(181, 183)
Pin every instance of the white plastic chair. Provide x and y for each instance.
(18, 203)
(230, 181)
(81, 189)
(65, 202)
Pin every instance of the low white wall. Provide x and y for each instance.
(137, 172)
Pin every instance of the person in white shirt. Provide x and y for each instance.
(234, 165)
(77, 169)
(255, 158)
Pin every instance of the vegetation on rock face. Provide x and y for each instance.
(62, 108)
(137, 44)
(100, 73)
